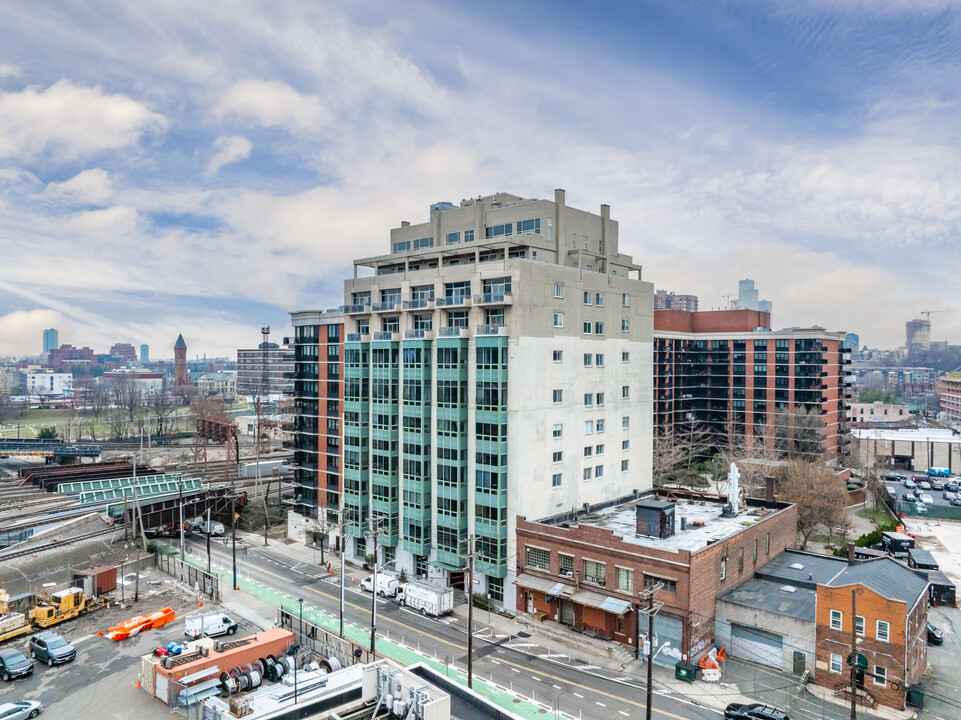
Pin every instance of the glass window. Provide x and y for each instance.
(626, 391)
(558, 431)
(836, 619)
(599, 449)
(558, 355)
(527, 227)
(625, 325)
(558, 455)
(598, 328)
(588, 399)
(556, 480)
(550, 229)
(626, 421)
(625, 580)
(599, 426)
(625, 300)
(859, 625)
(884, 630)
(599, 359)
(723, 568)
(588, 427)
(558, 319)
(835, 663)
(666, 584)
(468, 236)
(565, 563)
(558, 396)
(588, 298)
(452, 238)
(600, 399)
(558, 290)
(587, 473)
(624, 465)
(599, 471)
(588, 327)
(423, 243)
(584, 243)
(402, 246)
(538, 558)
(588, 450)
(880, 675)
(588, 359)
(504, 230)
(594, 572)
(599, 299)
(625, 356)
(625, 444)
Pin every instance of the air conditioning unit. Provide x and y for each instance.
(568, 574)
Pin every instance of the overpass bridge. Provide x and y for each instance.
(46, 447)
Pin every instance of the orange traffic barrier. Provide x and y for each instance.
(135, 625)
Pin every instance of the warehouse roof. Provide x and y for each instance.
(777, 598)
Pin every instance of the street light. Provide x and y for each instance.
(297, 651)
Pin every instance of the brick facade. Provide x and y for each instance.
(903, 655)
(694, 577)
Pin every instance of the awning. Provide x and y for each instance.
(544, 585)
(603, 602)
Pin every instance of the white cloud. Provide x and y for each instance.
(22, 330)
(228, 150)
(273, 104)
(90, 187)
(9, 71)
(71, 121)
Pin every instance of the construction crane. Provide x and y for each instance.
(929, 313)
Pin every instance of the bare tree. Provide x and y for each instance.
(819, 493)
(162, 407)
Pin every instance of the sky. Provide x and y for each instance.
(206, 168)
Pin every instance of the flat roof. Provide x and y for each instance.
(774, 597)
(907, 434)
(622, 521)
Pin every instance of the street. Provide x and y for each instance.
(578, 694)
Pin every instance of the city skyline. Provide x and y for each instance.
(202, 188)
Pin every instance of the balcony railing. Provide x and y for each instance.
(452, 301)
(418, 334)
(495, 298)
(387, 335)
(491, 330)
(418, 304)
(358, 337)
(385, 306)
(355, 309)
(452, 331)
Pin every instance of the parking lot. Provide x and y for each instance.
(101, 681)
(904, 493)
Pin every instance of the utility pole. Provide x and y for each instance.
(126, 522)
(208, 540)
(651, 610)
(854, 654)
(469, 556)
(374, 531)
(262, 387)
(301, 642)
(181, 519)
(233, 534)
(343, 535)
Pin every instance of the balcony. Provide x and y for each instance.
(358, 337)
(356, 309)
(421, 304)
(455, 332)
(497, 298)
(386, 336)
(491, 330)
(388, 306)
(453, 301)
(418, 334)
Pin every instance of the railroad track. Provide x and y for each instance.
(12, 554)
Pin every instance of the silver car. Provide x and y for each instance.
(20, 710)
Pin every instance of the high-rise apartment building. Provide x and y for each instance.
(51, 339)
(250, 369)
(497, 362)
(747, 386)
(918, 334)
(949, 389)
(664, 300)
(317, 427)
(144, 353)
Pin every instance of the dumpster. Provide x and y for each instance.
(915, 696)
(685, 671)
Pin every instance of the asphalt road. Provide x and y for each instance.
(581, 695)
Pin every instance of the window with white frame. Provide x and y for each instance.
(625, 444)
(588, 298)
(835, 663)
(880, 675)
(594, 572)
(625, 356)
(558, 397)
(558, 356)
(558, 456)
(626, 422)
(588, 427)
(556, 480)
(837, 618)
(588, 359)
(625, 325)
(884, 631)
(723, 568)
(599, 426)
(599, 299)
(625, 464)
(588, 450)
(588, 399)
(599, 359)
(558, 290)
(584, 243)
(599, 471)
(558, 319)
(565, 564)
(600, 399)
(598, 328)
(588, 327)
(625, 579)
(625, 300)
(538, 558)
(558, 430)
(859, 625)
(599, 449)
(626, 392)
(587, 473)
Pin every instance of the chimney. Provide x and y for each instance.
(850, 553)
(405, 223)
(606, 211)
(769, 495)
(560, 196)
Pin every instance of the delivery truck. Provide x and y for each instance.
(428, 599)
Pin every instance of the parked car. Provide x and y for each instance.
(20, 710)
(935, 636)
(956, 501)
(753, 711)
(951, 485)
(910, 484)
(52, 649)
(924, 485)
(950, 496)
(14, 664)
(937, 485)
(387, 585)
(892, 476)
(209, 624)
(926, 499)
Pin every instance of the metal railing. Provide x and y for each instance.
(417, 304)
(452, 300)
(386, 335)
(352, 309)
(388, 305)
(491, 329)
(492, 298)
(418, 334)
(452, 331)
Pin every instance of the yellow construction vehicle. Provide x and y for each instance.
(12, 623)
(59, 606)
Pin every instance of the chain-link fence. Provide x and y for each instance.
(315, 642)
(925, 510)
(194, 577)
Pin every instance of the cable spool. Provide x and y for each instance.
(245, 682)
(272, 672)
(234, 672)
(255, 679)
(230, 686)
(258, 665)
(330, 665)
(314, 666)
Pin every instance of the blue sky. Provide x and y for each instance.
(205, 168)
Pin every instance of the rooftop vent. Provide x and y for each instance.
(655, 519)
(796, 566)
(788, 588)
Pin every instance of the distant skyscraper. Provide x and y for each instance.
(748, 299)
(51, 340)
(180, 363)
(145, 353)
(918, 333)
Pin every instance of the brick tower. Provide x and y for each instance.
(180, 363)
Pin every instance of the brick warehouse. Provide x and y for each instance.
(587, 570)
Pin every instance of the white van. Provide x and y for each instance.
(212, 528)
(209, 624)
(387, 585)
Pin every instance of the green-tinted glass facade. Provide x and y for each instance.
(356, 436)
(490, 476)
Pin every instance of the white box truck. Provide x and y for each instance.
(387, 585)
(428, 599)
